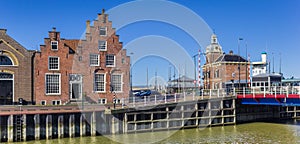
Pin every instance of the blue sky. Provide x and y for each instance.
(266, 25)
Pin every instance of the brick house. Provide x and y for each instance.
(222, 70)
(94, 69)
(52, 68)
(15, 71)
(103, 63)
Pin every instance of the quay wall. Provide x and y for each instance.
(40, 122)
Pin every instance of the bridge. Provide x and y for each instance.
(270, 95)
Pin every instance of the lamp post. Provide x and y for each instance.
(247, 64)
(239, 62)
(195, 68)
(131, 73)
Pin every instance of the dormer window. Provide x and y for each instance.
(54, 45)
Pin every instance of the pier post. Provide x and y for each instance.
(168, 116)
(72, 125)
(93, 124)
(196, 110)
(82, 125)
(234, 111)
(114, 125)
(60, 126)
(37, 126)
(10, 128)
(48, 126)
(135, 125)
(125, 125)
(24, 127)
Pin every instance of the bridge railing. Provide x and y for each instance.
(269, 90)
(177, 97)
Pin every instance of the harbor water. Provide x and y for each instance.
(257, 132)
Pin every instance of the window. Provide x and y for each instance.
(56, 102)
(102, 101)
(102, 45)
(116, 80)
(100, 82)
(110, 60)
(43, 102)
(4, 60)
(54, 45)
(94, 59)
(52, 84)
(53, 63)
(102, 31)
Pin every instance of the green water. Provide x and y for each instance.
(244, 133)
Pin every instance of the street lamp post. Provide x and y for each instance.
(131, 73)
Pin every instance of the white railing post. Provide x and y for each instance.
(194, 95)
(145, 100)
(202, 93)
(165, 98)
(133, 101)
(155, 99)
(292, 90)
(218, 92)
(123, 102)
(175, 97)
(244, 94)
(209, 93)
(183, 96)
(234, 91)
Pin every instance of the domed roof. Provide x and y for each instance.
(214, 45)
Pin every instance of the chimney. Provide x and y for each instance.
(87, 26)
(230, 52)
(54, 35)
(103, 11)
(3, 31)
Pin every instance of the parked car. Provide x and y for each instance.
(143, 93)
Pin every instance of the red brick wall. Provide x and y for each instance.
(90, 46)
(41, 69)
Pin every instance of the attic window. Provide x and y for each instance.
(54, 45)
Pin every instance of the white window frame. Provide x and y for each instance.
(59, 93)
(56, 102)
(121, 82)
(95, 89)
(114, 60)
(100, 100)
(98, 60)
(100, 49)
(54, 43)
(105, 28)
(58, 63)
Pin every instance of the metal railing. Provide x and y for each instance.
(269, 90)
(137, 101)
